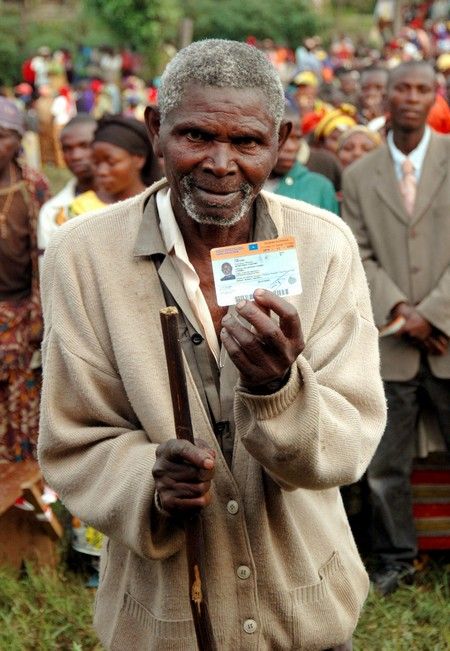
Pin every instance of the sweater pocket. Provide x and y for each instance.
(138, 628)
(325, 613)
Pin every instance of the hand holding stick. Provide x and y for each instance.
(193, 522)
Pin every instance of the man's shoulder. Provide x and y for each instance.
(368, 163)
(440, 141)
(302, 219)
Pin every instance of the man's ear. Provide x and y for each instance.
(153, 123)
(283, 132)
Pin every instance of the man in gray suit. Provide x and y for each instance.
(397, 202)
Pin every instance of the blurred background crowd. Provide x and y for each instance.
(79, 111)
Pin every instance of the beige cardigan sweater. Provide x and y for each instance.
(106, 406)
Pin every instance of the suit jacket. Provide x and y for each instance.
(406, 258)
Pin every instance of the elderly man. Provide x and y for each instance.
(396, 201)
(284, 413)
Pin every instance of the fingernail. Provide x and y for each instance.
(208, 464)
(259, 292)
(227, 317)
(223, 333)
(240, 305)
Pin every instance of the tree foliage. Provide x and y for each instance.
(147, 24)
(141, 24)
(10, 50)
(285, 21)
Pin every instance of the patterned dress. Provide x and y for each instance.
(20, 339)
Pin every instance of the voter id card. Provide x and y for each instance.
(240, 269)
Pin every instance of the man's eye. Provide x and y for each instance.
(196, 136)
(247, 141)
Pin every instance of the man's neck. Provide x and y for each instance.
(407, 141)
(84, 185)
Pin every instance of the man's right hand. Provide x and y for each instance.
(183, 474)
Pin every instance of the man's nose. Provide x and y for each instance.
(220, 159)
(413, 95)
(78, 154)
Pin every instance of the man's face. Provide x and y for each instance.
(410, 96)
(288, 152)
(349, 84)
(76, 146)
(219, 147)
(373, 89)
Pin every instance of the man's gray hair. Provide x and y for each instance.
(221, 64)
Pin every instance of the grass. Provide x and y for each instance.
(52, 611)
(45, 611)
(415, 618)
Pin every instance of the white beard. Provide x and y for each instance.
(190, 208)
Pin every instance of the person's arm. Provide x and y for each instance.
(322, 427)
(92, 448)
(435, 307)
(384, 292)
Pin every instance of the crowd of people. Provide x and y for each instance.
(367, 141)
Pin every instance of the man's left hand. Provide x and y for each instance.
(265, 354)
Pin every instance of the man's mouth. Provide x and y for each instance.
(78, 168)
(215, 195)
(411, 113)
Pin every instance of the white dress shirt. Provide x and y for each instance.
(174, 242)
(416, 156)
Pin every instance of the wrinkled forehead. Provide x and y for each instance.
(219, 103)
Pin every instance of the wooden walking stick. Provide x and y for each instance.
(193, 523)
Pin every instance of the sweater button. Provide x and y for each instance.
(196, 339)
(289, 180)
(250, 626)
(243, 572)
(232, 507)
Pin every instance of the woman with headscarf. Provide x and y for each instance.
(332, 125)
(22, 193)
(124, 162)
(355, 143)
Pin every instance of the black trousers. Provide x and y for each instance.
(392, 527)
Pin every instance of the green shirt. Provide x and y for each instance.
(300, 183)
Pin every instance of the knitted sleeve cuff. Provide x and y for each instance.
(269, 406)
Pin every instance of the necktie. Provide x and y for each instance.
(408, 185)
